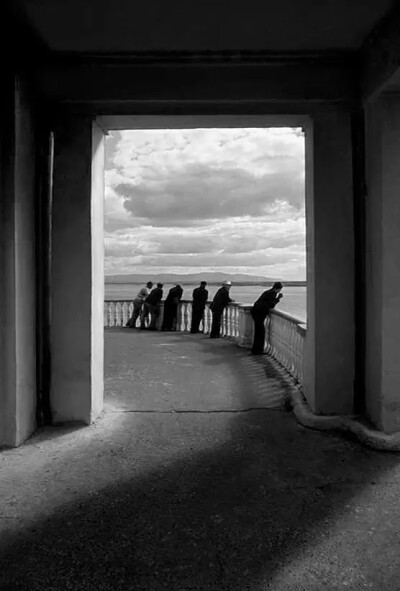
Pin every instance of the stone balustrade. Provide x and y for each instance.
(284, 339)
(285, 334)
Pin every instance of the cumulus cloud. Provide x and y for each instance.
(200, 191)
(229, 200)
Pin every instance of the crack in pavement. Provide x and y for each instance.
(194, 411)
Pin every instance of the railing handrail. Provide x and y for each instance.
(285, 315)
(288, 317)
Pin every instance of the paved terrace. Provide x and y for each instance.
(196, 477)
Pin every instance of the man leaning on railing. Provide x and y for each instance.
(151, 307)
(260, 310)
(217, 307)
(138, 304)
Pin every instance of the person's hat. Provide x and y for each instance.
(227, 283)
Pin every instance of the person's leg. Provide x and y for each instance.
(137, 307)
(196, 317)
(259, 335)
(174, 316)
(201, 319)
(144, 315)
(135, 313)
(154, 311)
(216, 325)
(167, 319)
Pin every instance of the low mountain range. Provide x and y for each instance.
(189, 279)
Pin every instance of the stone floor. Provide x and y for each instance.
(196, 477)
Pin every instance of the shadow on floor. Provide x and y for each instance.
(232, 516)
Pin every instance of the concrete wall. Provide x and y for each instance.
(17, 267)
(97, 235)
(329, 349)
(383, 263)
(77, 290)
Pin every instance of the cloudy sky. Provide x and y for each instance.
(184, 201)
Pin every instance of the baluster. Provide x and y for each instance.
(206, 319)
(130, 309)
(293, 348)
(236, 322)
(185, 317)
(267, 344)
(224, 323)
(122, 313)
(114, 312)
(178, 325)
(111, 311)
(182, 318)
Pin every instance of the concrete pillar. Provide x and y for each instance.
(383, 263)
(17, 266)
(329, 347)
(77, 272)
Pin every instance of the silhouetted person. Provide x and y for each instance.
(138, 304)
(219, 303)
(171, 307)
(152, 306)
(200, 296)
(260, 310)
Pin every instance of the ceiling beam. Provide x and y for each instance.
(122, 81)
(380, 55)
(20, 43)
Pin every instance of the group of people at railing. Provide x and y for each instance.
(146, 307)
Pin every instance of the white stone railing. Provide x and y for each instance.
(284, 340)
(284, 334)
(117, 312)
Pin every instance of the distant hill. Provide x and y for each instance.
(188, 279)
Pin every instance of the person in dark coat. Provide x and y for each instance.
(171, 307)
(200, 296)
(260, 310)
(152, 306)
(219, 303)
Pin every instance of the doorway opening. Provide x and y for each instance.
(212, 202)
